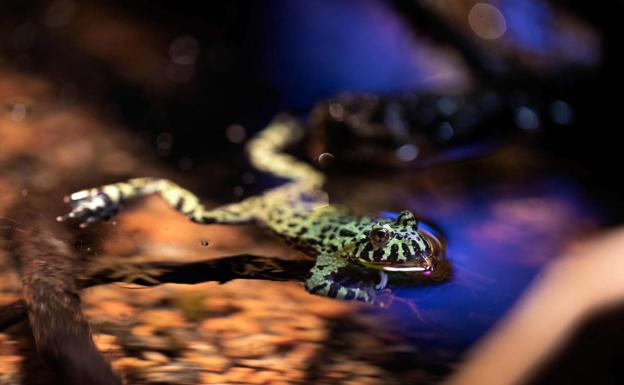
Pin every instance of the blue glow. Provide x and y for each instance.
(322, 47)
(497, 240)
(530, 24)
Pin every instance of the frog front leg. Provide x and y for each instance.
(92, 205)
(327, 278)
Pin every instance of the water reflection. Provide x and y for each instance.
(497, 240)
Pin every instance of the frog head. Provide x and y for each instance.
(395, 245)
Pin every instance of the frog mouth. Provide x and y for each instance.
(425, 264)
(408, 267)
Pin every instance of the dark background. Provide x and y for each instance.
(192, 69)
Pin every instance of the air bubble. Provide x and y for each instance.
(407, 152)
(487, 21)
(236, 133)
(336, 111)
(445, 131)
(326, 159)
(561, 112)
(527, 119)
(184, 50)
(164, 141)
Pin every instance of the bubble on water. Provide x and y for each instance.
(164, 141)
(336, 111)
(561, 112)
(326, 159)
(407, 152)
(204, 242)
(184, 50)
(487, 21)
(236, 133)
(526, 118)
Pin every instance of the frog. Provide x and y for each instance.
(353, 253)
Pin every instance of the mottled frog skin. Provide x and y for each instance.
(344, 244)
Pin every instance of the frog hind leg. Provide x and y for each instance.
(92, 205)
(324, 280)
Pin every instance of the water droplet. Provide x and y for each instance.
(18, 112)
(204, 242)
(526, 118)
(561, 112)
(326, 159)
(238, 191)
(114, 223)
(236, 133)
(24, 192)
(407, 152)
(184, 50)
(336, 111)
(487, 21)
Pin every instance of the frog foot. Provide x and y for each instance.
(90, 206)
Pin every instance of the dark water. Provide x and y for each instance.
(497, 241)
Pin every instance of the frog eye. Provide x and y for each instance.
(379, 235)
(406, 218)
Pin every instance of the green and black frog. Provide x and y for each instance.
(344, 244)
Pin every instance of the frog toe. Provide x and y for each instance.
(89, 206)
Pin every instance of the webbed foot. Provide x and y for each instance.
(89, 206)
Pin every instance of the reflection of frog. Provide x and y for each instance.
(343, 243)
